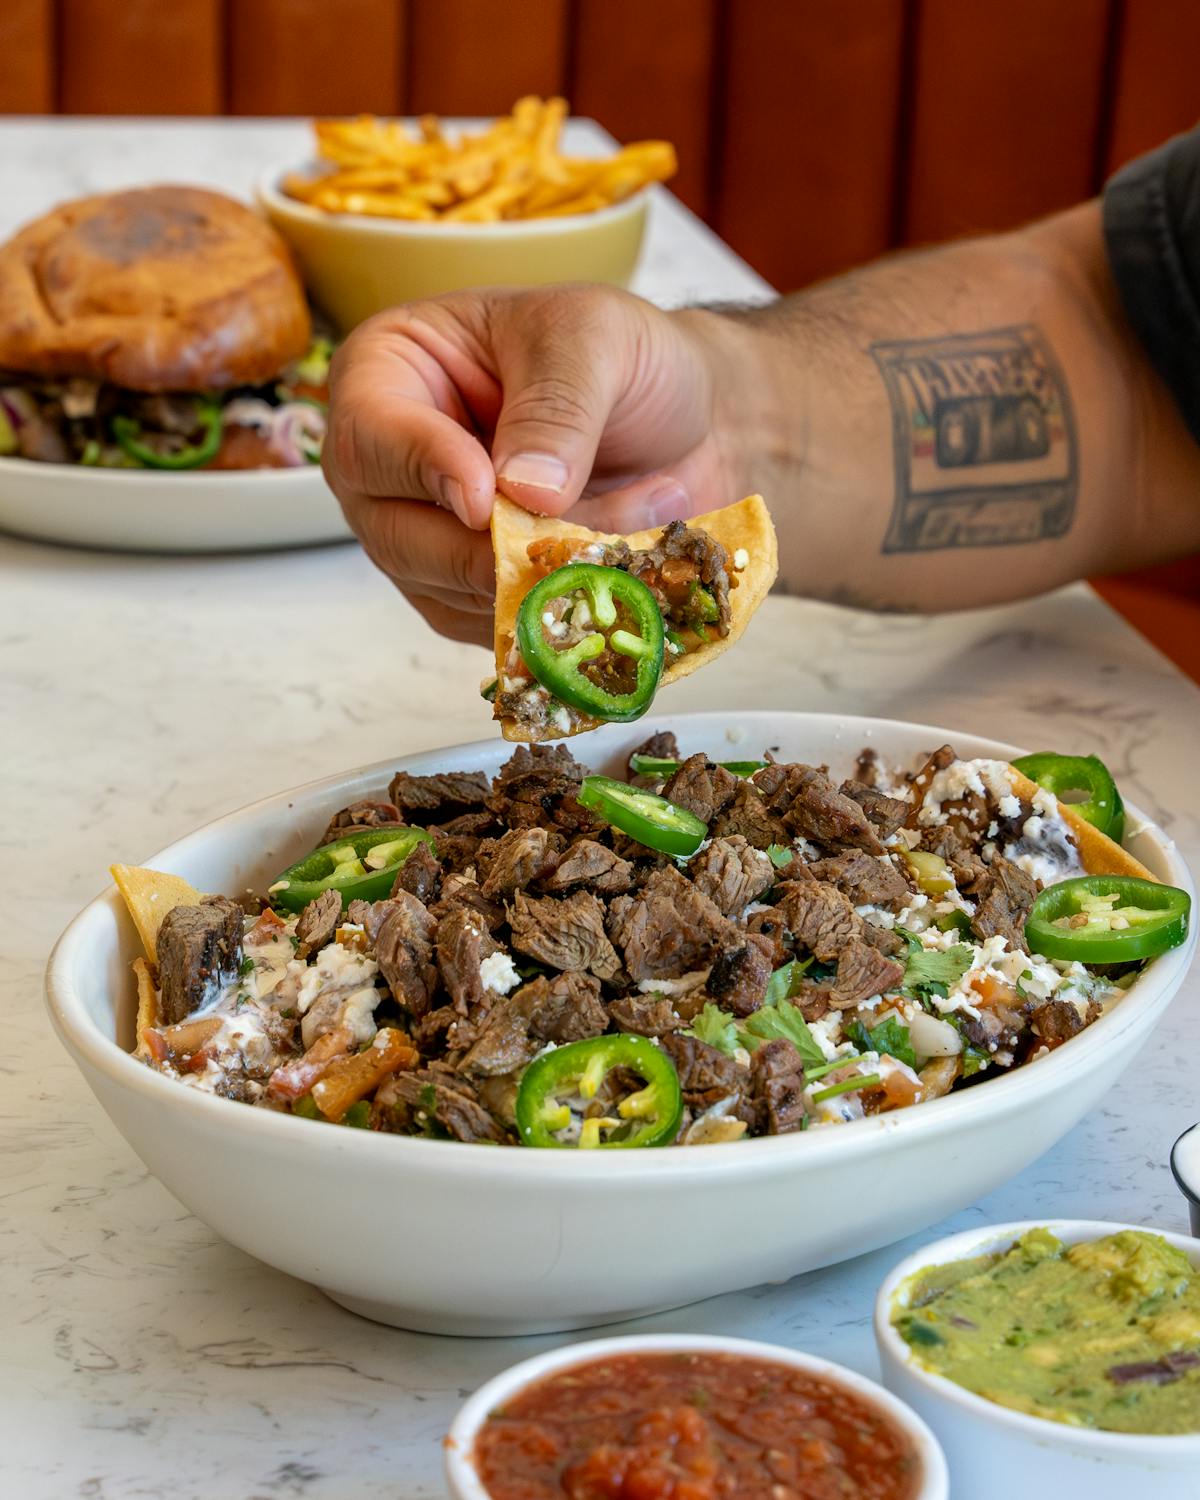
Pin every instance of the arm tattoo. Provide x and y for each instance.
(984, 440)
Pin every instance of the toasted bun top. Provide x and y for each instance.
(158, 289)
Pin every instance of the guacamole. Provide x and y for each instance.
(1104, 1334)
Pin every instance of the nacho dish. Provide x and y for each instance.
(161, 328)
(698, 953)
(589, 626)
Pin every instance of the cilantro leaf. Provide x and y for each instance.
(716, 1027)
(973, 1061)
(933, 971)
(782, 1020)
(889, 1038)
(784, 983)
(780, 855)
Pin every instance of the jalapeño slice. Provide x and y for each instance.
(128, 435)
(651, 820)
(557, 1089)
(1107, 919)
(651, 765)
(360, 867)
(612, 672)
(1063, 774)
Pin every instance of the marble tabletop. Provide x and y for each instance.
(140, 1356)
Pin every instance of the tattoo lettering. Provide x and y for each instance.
(984, 440)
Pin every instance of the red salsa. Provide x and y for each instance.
(693, 1426)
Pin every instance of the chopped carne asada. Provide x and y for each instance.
(821, 953)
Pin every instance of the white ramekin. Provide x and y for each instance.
(995, 1453)
(464, 1483)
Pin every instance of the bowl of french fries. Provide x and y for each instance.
(390, 211)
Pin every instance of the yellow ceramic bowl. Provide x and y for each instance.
(355, 265)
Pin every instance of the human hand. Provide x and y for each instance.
(580, 399)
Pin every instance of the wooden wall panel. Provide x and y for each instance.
(644, 68)
(1007, 112)
(140, 57)
(811, 110)
(303, 57)
(1156, 88)
(474, 57)
(26, 57)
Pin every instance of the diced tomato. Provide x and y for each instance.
(993, 990)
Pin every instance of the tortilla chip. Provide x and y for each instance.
(150, 895)
(746, 525)
(147, 1011)
(1098, 854)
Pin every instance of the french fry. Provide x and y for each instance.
(511, 169)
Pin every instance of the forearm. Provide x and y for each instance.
(954, 427)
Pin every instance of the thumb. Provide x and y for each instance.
(560, 372)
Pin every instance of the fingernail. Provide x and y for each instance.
(541, 470)
(670, 502)
(452, 495)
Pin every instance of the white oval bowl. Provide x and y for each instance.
(457, 1239)
(464, 1483)
(148, 510)
(995, 1453)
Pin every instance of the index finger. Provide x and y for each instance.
(399, 429)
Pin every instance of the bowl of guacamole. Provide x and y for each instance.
(1053, 1359)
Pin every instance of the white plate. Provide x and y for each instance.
(452, 1238)
(147, 510)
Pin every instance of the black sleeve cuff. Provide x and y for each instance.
(1152, 234)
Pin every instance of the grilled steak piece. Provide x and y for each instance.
(566, 933)
(1006, 895)
(462, 890)
(738, 978)
(668, 928)
(565, 1008)
(404, 951)
(463, 942)
(771, 926)
(590, 864)
(887, 942)
(531, 784)
(420, 797)
(778, 1076)
(419, 875)
(520, 857)
(199, 952)
(732, 873)
(360, 816)
(812, 807)
(701, 787)
(1058, 1020)
(503, 1045)
(449, 1100)
(479, 825)
(818, 916)
(887, 814)
(862, 971)
(645, 1015)
(456, 852)
(317, 923)
(748, 815)
(706, 1075)
(864, 878)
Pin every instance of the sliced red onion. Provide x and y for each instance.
(298, 432)
(250, 411)
(19, 406)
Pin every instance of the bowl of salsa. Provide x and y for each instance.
(1061, 1356)
(681, 1417)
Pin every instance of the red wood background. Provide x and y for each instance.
(813, 134)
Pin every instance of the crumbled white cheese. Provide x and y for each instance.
(741, 559)
(983, 777)
(335, 968)
(498, 973)
(1010, 806)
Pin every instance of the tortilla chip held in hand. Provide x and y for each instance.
(590, 626)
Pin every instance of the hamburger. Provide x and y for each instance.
(164, 328)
